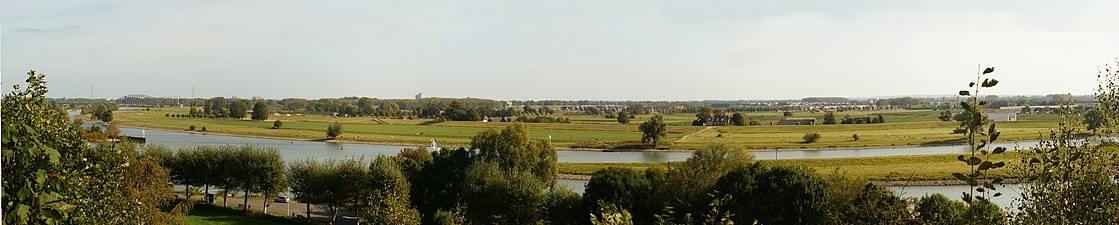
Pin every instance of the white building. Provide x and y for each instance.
(1003, 117)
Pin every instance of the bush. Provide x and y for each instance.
(334, 130)
(755, 123)
(811, 137)
(787, 114)
(855, 137)
(937, 209)
(203, 128)
(277, 124)
(191, 128)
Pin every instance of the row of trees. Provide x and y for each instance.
(249, 169)
(233, 108)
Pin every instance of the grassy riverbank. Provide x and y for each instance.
(887, 168)
(912, 128)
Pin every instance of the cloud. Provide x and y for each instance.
(30, 30)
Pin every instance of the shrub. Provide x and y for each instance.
(787, 114)
(203, 128)
(755, 123)
(811, 137)
(277, 124)
(334, 130)
(191, 128)
(855, 137)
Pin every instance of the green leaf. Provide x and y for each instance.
(985, 165)
(961, 158)
(997, 194)
(989, 70)
(960, 176)
(972, 84)
(1000, 150)
(974, 161)
(965, 93)
(990, 83)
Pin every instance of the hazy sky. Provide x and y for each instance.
(566, 49)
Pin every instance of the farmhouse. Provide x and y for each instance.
(797, 121)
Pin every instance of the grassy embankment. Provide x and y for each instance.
(904, 127)
(888, 168)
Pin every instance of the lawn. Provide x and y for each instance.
(903, 128)
(870, 135)
(411, 132)
(203, 214)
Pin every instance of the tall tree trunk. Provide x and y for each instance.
(225, 198)
(188, 193)
(266, 203)
(308, 211)
(207, 194)
(246, 197)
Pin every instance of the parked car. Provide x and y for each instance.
(282, 199)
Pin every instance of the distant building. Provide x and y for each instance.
(419, 96)
(797, 121)
(859, 120)
(1002, 117)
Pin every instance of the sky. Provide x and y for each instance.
(570, 49)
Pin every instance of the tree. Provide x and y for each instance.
(778, 195)
(238, 108)
(364, 106)
(102, 111)
(389, 108)
(334, 130)
(1071, 180)
(703, 114)
(592, 110)
(621, 187)
(611, 214)
(387, 198)
(653, 130)
(623, 117)
(787, 114)
(829, 118)
(502, 196)
(881, 118)
(738, 119)
(685, 186)
(331, 183)
(937, 209)
(260, 110)
(512, 150)
(36, 142)
(1095, 120)
(277, 124)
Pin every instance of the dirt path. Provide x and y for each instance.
(297, 209)
(685, 137)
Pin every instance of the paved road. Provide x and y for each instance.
(297, 209)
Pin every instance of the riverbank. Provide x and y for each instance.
(918, 169)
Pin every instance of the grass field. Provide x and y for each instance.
(203, 214)
(903, 127)
(889, 168)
